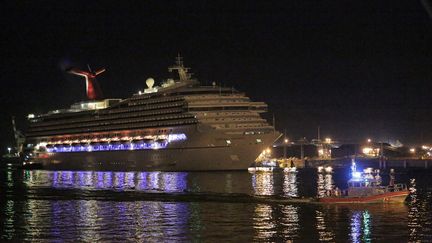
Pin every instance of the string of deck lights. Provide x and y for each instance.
(68, 146)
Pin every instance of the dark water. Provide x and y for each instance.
(166, 206)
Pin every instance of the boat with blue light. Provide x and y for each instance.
(365, 187)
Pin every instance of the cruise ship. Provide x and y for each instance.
(180, 125)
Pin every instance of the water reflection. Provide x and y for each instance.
(268, 184)
(360, 226)
(420, 214)
(9, 221)
(325, 184)
(93, 221)
(145, 181)
(324, 233)
(33, 208)
(281, 221)
(290, 185)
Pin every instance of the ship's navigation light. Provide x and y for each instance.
(353, 166)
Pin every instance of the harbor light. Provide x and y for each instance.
(286, 140)
(371, 151)
(412, 150)
(369, 140)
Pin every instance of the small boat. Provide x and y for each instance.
(366, 188)
(265, 166)
(360, 193)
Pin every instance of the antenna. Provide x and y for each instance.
(182, 71)
(274, 124)
(179, 60)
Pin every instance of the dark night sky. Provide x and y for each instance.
(356, 68)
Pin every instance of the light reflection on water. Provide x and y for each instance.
(144, 181)
(324, 234)
(30, 211)
(276, 222)
(283, 184)
(325, 184)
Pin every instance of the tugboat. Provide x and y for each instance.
(366, 188)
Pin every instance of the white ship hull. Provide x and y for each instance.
(200, 152)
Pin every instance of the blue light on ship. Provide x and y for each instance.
(116, 146)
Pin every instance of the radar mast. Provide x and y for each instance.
(182, 71)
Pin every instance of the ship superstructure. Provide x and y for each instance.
(178, 126)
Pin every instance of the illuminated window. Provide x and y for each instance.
(258, 140)
(228, 142)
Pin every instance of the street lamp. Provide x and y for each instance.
(9, 149)
(369, 140)
(285, 149)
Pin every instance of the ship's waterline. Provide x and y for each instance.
(236, 156)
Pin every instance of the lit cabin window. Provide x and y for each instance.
(258, 140)
(228, 142)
